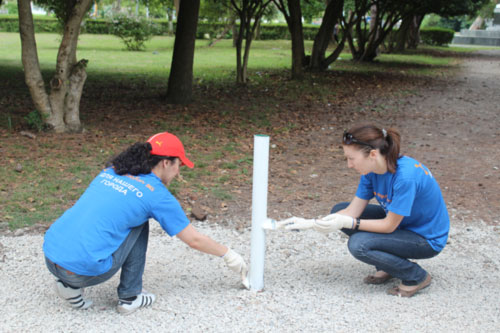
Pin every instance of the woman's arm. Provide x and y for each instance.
(385, 225)
(355, 207)
(201, 242)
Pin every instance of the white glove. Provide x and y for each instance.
(236, 263)
(295, 223)
(333, 222)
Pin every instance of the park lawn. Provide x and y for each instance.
(107, 55)
(121, 105)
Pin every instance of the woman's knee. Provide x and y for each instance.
(357, 244)
(339, 206)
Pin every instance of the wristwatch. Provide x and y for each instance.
(358, 221)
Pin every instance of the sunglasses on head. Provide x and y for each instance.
(348, 138)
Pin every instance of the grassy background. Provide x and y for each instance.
(108, 56)
(57, 169)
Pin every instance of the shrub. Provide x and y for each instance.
(10, 23)
(274, 31)
(97, 26)
(436, 36)
(35, 120)
(133, 31)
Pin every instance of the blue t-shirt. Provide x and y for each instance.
(413, 193)
(84, 238)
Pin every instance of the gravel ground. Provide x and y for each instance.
(312, 284)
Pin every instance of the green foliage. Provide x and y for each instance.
(133, 31)
(436, 36)
(488, 9)
(10, 23)
(455, 23)
(97, 26)
(312, 9)
(62, 9)
(6, 121)
(157, 27)
(35, 120)
(11, 7)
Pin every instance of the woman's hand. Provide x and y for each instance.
(295, 223)
(333, 222)
(236, 263)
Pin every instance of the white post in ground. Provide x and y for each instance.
(259, 211)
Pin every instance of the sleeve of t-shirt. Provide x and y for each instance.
(365, 188)
(169, 213)
(403, 196)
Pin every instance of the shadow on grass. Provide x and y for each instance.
(107, 95)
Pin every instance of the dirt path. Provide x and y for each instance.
(453, 127)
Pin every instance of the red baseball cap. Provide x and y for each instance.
(167, 144)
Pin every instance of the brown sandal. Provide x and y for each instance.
(397, 291)
(372, 279)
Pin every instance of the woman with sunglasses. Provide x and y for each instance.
(107, 228)
(410, 221)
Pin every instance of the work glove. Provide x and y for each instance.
(333, 222)
(295, 223)
(236, 263)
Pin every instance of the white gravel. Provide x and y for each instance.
(312, 284)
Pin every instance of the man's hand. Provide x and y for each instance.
(236, 263)
(333, 222)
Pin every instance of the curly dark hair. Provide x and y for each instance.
(136, 159)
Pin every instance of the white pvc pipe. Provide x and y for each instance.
(259, 211)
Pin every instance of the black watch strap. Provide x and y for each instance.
(358, 221)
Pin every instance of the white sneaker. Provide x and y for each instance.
(142, 300)
(72, 296)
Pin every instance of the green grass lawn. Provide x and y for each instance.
(108, 56)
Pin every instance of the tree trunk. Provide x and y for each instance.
(297, 35)
(333, 13)
(414, 33)
(32, 74)
(250, 12)
(239, 43)
(180, 82)
(170, 19)
(235, 35)
(371, 50)
(60, 108)
(403, 34)
(177, 6)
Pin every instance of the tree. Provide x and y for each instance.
(408, 34)
(312, 9)
(293, 15)
(332, 16)
(60, 107)
(249, 12)
(370, 34)
(180, 81)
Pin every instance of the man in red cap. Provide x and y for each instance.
(107, 228)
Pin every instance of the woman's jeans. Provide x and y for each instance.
(389, 252)
(130, 257)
